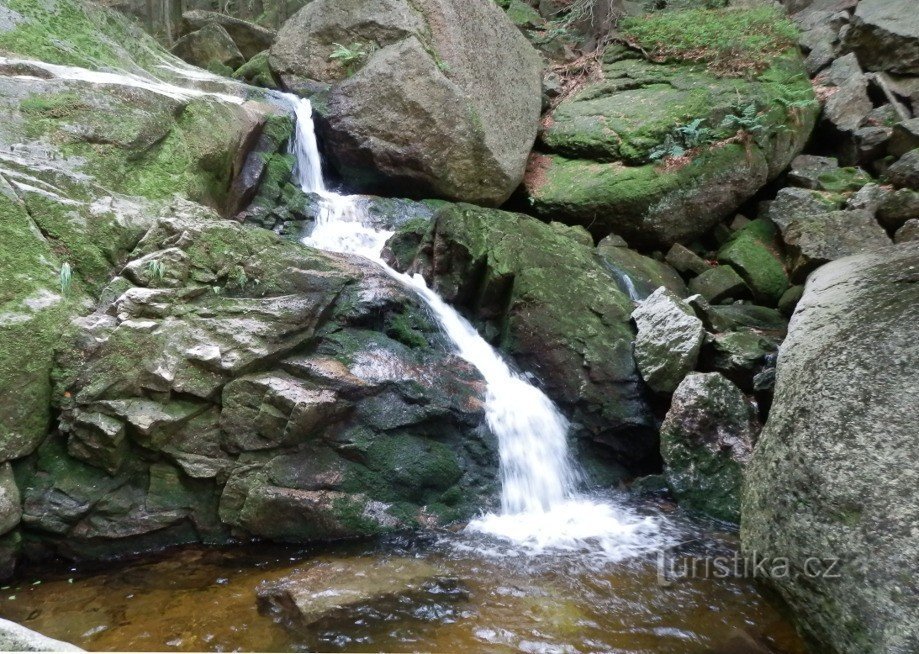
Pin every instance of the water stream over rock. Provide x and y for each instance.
(540, 506)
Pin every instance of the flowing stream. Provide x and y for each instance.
(540, 506)
(556, 570)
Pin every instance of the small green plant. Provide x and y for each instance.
(693, 134)
(669, 149)
(350, 56)
(156, 269)
(240, 277)
(66, 277)
(749, 120)
(793, 92)
(682, 139)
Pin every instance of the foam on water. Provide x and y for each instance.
(540, 507)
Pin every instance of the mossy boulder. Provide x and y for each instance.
(231, 381)
(660, 151)
(639, 275)
(707, 439)
(754, 253)
(210, 48)
(551, 304)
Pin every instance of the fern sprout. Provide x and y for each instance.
(156, 269)
(66, 277)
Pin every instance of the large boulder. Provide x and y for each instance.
(210, 47)
(238, 383)
(540, 293)
(85, 171)
(16, 638)
(885, 35)
(831, 486)
(438, 98)
(250, 38)
(660, 151)
(706, 441)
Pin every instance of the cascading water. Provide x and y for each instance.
(540, 508)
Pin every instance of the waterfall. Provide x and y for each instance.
(540, 507)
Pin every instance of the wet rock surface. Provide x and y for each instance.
(550, 303)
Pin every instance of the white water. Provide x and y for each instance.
(77, 74)
(540, 508)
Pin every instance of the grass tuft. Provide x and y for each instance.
(731, 42)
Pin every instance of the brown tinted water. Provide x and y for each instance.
(502, 601)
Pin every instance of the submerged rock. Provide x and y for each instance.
(707, 439)
(334, 590)
(550, 303)
(16, 638)
(832, 477)
(668, 342)
(437, 98)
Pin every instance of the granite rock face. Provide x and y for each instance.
(833, 474)
(438, 98)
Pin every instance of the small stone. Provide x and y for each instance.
(792, 203)
(870, 143)
(824, 174)
(10, 502)
(905, 172)
(758, 264)
(847, 107)
(686, 261)
(897, 208)
(884, 35)
(905, 137)
(790, 299)
(820, 238)
(868, 198)
(719, 284)
(639, 275)
(98, 440)
(668, 341)
(739, 355)
(908, 233)
(739, 222)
